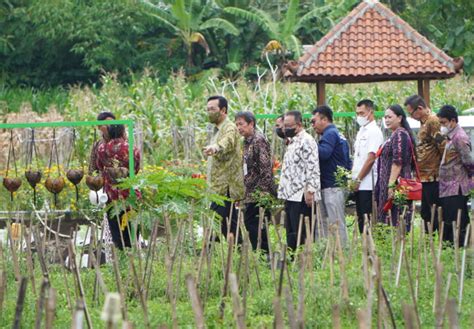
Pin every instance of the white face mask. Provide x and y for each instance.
(444, 130)
(362, 121)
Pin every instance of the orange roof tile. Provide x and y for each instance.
(371, 44)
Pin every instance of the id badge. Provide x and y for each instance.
(245, 169)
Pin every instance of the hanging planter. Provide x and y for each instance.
(54, 184)
(33, 177)
(95, 183)
(12, 184)
(74, 175)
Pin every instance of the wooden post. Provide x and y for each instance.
(321, 92)
(424, 90)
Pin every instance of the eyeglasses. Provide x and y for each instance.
(413, 112)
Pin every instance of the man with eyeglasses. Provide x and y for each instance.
(429, 150)
(299, 181)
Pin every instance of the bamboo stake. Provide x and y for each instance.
(40, 253)
(237, 310)
(40, 304)
(336, 316)
(463, 268)
(400, 260)
(3, 288)
(226, 275)
(412, 293)
(64, 276)
(118, 280)
(452, 314)
(139, 291)
(437, 305)
(20, 303)
(409, 316)
(290, 308)
(29, 260)
(72, 260)
(363, 317)
(78, 316)
(195, 302)
(301, 292)
(300, 227)
(16, 264)
(446, 297)
(278, 322)
(456, 239)
(261, 215)
(342, 269)
(50, 308)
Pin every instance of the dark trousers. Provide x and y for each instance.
(252, 219)
(224, 212)
(295, 212)
(363, 200)
(430, 197)
(451, 205)
(114, 226)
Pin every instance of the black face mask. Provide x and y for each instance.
(290, 132)
(280, 133)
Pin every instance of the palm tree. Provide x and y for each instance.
(188, 19)
(282, 33)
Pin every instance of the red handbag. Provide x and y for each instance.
(410, 185)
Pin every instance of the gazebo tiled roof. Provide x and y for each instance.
(372, 44)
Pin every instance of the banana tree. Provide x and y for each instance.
(188, 20)
(282, 33)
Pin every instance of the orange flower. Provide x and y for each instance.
(276, 166)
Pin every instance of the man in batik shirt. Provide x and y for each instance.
(225, 175)
(455, 174)
(299, 182)
(428, 152)
(258, 177)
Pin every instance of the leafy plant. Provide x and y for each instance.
(344, 179)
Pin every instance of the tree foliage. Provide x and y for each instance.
(61, 42)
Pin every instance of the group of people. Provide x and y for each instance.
(440, 158)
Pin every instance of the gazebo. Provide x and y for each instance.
(372, 44)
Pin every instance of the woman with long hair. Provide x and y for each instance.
(395, 159)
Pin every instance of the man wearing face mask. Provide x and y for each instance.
(429, 150)
(299, 182)
(279, 130)
(455, 173)
(225, 170)
(368, 140)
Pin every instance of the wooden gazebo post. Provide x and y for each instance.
(424, 90)
(321, 92)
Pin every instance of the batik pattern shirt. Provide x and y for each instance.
(115, 154)
(456, 166)
(225, 167)
(300, 172)
(258, 166)
(428, 150)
